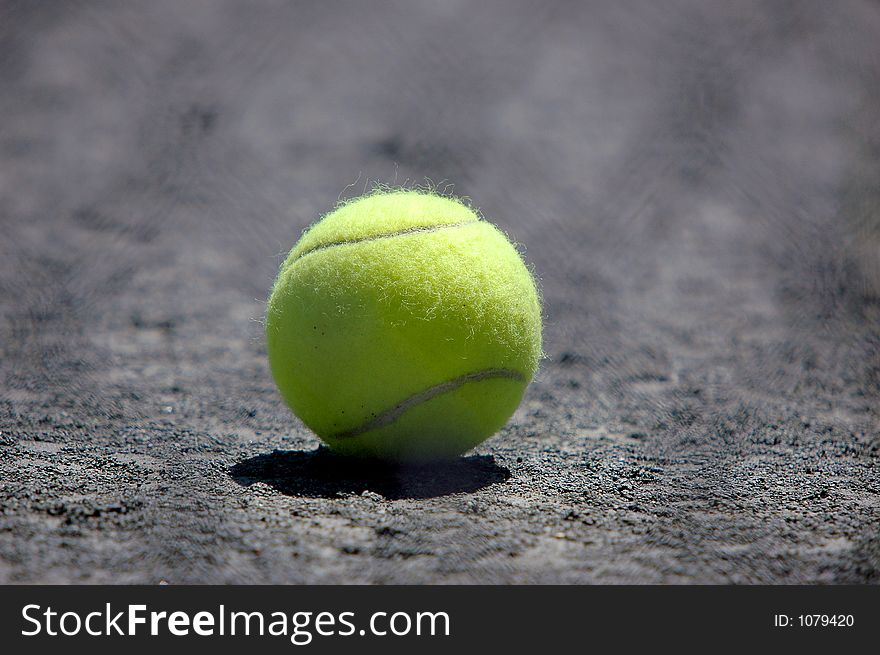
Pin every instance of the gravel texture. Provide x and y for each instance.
(697, 187)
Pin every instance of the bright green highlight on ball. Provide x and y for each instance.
(403, 326)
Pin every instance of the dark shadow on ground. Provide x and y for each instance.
(322, 474)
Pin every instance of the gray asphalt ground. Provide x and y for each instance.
(695, 183)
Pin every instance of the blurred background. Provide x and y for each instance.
(696, 184)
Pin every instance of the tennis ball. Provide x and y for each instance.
(403, 326)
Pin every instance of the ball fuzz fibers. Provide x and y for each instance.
(403, 326)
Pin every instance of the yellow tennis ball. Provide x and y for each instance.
(403, 326)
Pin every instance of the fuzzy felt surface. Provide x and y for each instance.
(390, 296)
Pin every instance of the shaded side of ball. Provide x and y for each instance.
(403, 326)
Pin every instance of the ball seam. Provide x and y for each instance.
(390, 415)
(376, 237)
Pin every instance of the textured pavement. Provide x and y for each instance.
(696, 186)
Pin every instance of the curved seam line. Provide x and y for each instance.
(376, 237)
(390, 415)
